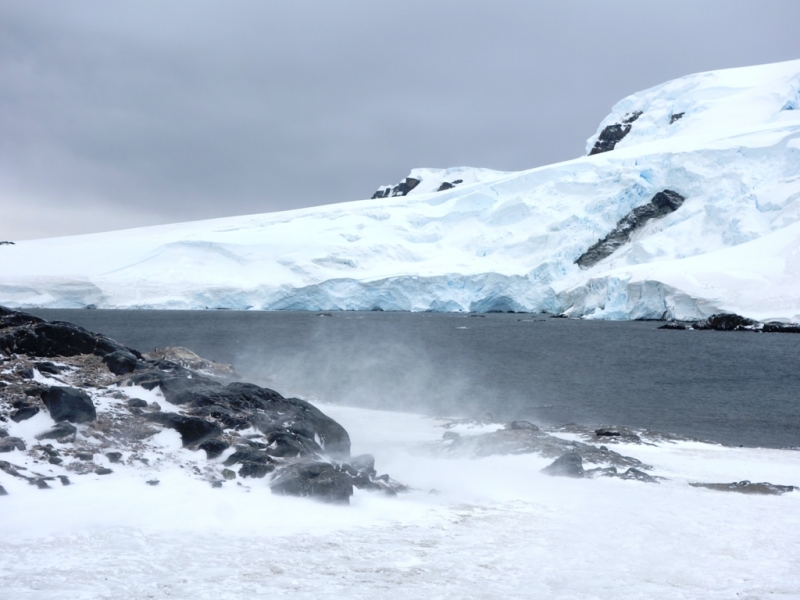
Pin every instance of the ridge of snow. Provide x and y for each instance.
(496, 241)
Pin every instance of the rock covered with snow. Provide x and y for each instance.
(726, 142)
(80, 414)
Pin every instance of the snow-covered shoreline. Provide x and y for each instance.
(497, 241)
(496, 528)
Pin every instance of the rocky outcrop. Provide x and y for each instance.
(401, 189)
(733, 322)
(613, 134)
(662, 204)
(321, 481)
(231, 425)
(745, 487)
(566, 465)
(509, 440)
(69, 404)
(21, 333)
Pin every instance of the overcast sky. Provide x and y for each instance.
(120, 114)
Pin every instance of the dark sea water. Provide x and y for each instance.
(738, 388)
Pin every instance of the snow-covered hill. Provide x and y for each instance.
(726, 142)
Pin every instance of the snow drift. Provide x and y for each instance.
(728, 142)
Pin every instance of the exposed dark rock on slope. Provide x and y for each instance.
(613, 134)
(662, 204)
(401, 189)
(236, 424)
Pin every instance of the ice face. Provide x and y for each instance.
(496, 241)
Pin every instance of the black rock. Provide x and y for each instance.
(726, 322)
(137, 403)
(84, 455)
(638, 475)
(9, 444)
(69, 404)
(776, 327)
(3, 433)
(244, 454)
(315, 480)
(214, 448)
(114, 457)
(254, 469)
(363, 462)
(152, 482)
(445, 186)
(64, 479)
(522, 425)
(37, 337)
(3, 491)
(120, 362)
(54, 460)
(613, 134)
(662, 204)
(60, 431)
(103, 471)
(567, 465)
(27, 373)
(49, 368)
(401, 189)
(675, 325)
(675, 117)
(41, 483)
(746, 487)
(193, 430)
(606, 433)
(23, 413)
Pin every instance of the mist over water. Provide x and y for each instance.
(738, 388)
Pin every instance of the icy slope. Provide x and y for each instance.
(497, 241)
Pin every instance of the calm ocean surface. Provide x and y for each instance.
(736, 388)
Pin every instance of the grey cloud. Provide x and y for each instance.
(123, 114)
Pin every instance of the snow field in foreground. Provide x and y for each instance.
(496, 529)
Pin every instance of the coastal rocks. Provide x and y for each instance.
(120, 362)
(9, 444)
(567, 465)
(69, 404)
(733, 322)
(613, 134)
(24, 412)
(571, 465)
(193, 430)
(726, 322)
(189, 360)
(214, 448)
(26, 334)
(662, 204)
(746, 487)
(321, 481)
(528, 441)
(62, 431)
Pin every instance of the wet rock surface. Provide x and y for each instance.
(662, 204)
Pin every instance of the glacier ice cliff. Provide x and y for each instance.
(726, 142)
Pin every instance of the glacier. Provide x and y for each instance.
(727, 141)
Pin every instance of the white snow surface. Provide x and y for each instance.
(497, 528)
(497, 241)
